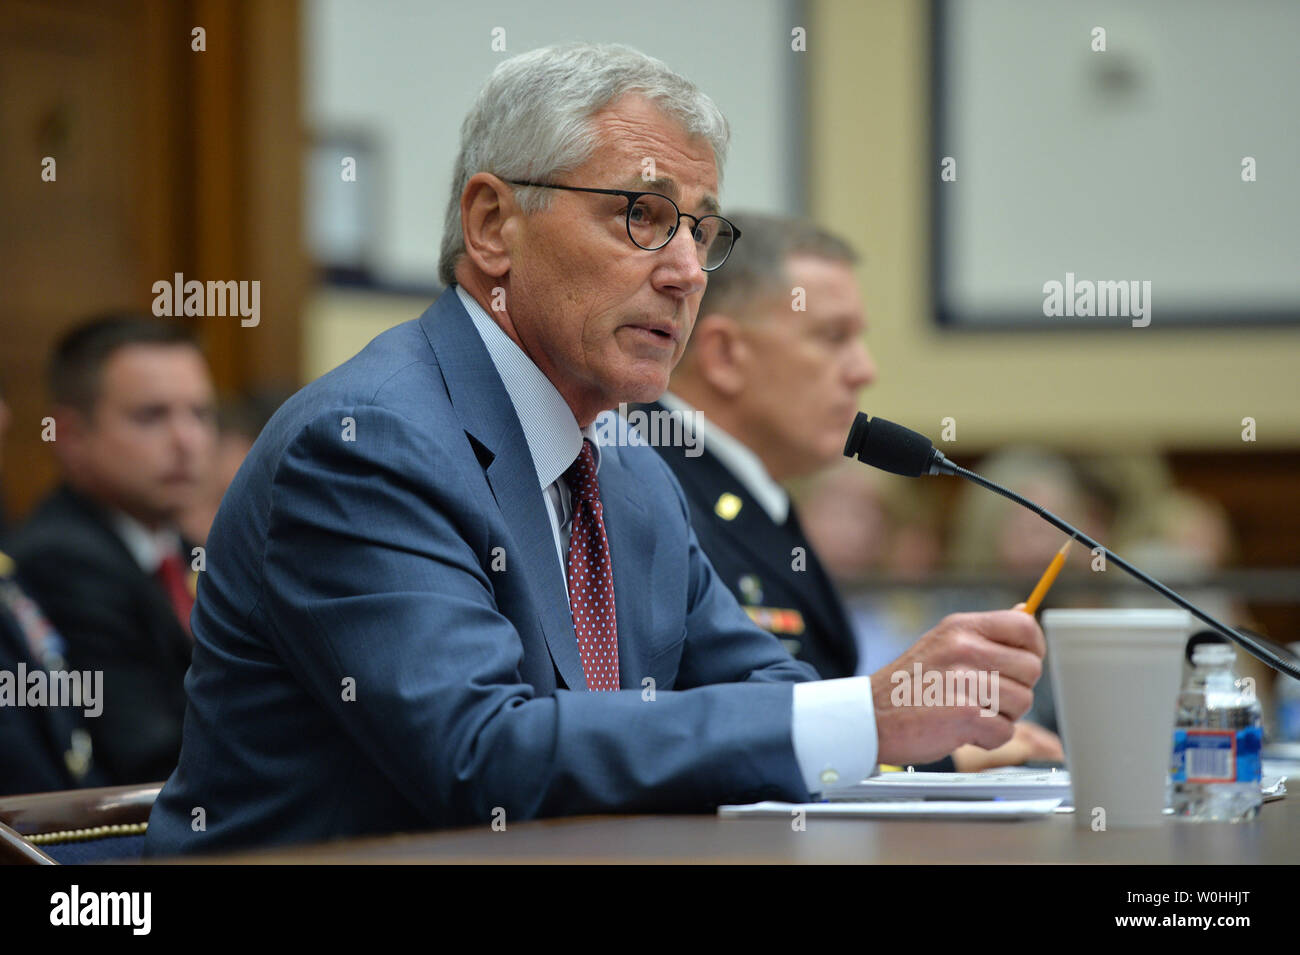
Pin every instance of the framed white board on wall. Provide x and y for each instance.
(1082, 146)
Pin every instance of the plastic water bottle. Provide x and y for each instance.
(1286, 697)
(1217, 738)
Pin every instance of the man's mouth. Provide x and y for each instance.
(663, 331)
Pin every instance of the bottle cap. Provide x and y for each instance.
(1210, 654)
(1200, 638)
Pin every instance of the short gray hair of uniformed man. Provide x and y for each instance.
(756, 269)
(532, 120)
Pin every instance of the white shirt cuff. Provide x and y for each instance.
(834, 732)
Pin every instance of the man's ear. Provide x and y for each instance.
(71, 428)
(720, 354)
(487, 208)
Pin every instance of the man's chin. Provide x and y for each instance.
(167, 508)
(643, 395)
(644, 386)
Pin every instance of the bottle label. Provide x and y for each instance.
(1217, 756)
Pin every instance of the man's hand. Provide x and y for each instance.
(1001, 650)
(1029, 742)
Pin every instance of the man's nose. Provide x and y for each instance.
(680, 271)
(862, 368)
(190, 432)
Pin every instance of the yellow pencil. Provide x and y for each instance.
(1049, 577)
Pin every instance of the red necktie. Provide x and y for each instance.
(171, 574)
(591, 577)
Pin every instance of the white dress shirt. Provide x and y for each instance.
(146, 546)
(833, 722)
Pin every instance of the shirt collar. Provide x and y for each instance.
(743, 463)
(550, 429)
(147, 547)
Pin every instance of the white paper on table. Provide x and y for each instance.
(991, 784)
(1010, 783)
(910, 809)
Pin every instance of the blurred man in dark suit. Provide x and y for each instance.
(42, 748)
(4, 427)
(134, 432)
(770, 382)
(46, 747)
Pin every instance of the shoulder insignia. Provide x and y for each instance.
(728, 506)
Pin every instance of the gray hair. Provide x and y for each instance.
(532, 120)
(756, 268)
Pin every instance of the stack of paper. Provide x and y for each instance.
(913, 809)
(1011, 793)
(992, 784)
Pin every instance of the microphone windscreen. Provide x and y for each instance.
(888, 446)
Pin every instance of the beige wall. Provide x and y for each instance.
(869, 170)
(868, 121)
(338, 323)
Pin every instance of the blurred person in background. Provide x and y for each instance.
(103, 555)
(1127, 503)
(991, 533)
(775, 365)
(5, 418)
(42, 748)
(869, 529)
(1186, 539)
(996, 536)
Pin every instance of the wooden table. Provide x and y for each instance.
(1272, 838)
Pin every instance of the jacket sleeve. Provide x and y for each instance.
(374, 573)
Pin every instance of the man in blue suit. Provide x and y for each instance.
(434, 597)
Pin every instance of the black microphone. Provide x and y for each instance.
(898, 450)
(893, 448)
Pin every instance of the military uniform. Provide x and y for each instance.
(770, 567)
(116, 618)
(42, 748)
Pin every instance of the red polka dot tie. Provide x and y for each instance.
(591, 577)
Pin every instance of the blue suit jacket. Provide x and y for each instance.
(383, 641)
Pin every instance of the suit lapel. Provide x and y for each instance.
(488, 417)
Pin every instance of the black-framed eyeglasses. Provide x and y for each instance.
(653, 220)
